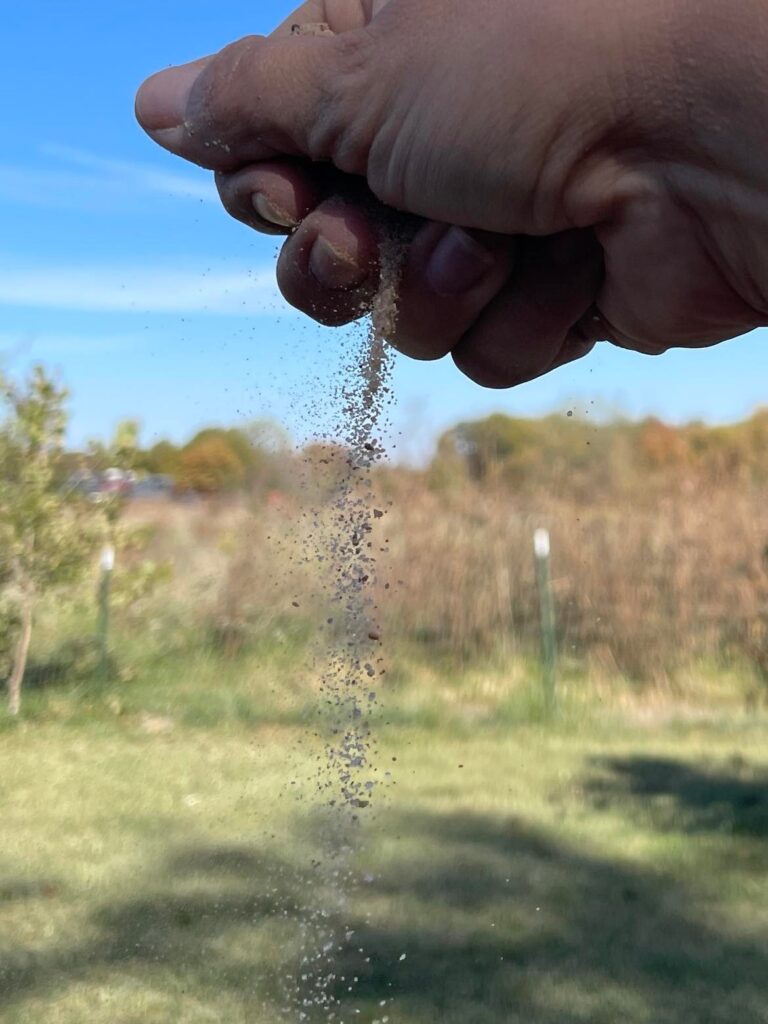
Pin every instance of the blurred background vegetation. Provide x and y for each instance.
(605, 864)
(659, 533)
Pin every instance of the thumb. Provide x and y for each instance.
(261, 98)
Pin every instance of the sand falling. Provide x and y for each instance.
(347, 781)
(347, 538)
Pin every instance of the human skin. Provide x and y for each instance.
(579, 169)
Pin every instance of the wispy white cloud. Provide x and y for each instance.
(74, 178)
(140, 289)
(139, 176)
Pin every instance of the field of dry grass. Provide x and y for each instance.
(652, 590)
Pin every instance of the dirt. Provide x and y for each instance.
(319, 28)
(347, 539)
(348, 781)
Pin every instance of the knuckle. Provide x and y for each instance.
(343, 15)
(386, 169)
(416, 346)
(236, 195)
(494, 368)
(227, 192)
(217, 86)
(343, 129)
(484, 371)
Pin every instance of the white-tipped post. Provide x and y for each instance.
(541, 543)
(107, 564)
(107, 559)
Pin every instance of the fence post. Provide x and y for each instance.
(107, 564)
(541, 548)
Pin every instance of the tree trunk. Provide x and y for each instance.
(20, 658)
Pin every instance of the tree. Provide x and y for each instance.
(209, 466)
(135, 578)
(509, 449)
(662, 447)
(162, 458)
(120, 454)
(45, 531)
(271, 466)
(261, 446)
(232, 437)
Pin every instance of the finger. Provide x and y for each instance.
(528, 329)
(449, 276)
(260, 98)
(662, 287)
(574, 347)
(339, 15)
(313, 205)
(272, 197)
(329, 267)
(163, 95)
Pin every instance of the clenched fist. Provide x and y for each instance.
(572, 170)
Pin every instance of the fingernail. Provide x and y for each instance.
(161, 102)
(458, 263)
(334, 269)
(270, 213)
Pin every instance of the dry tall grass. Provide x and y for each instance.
(641, 588)
(644, 586)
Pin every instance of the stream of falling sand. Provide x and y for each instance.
(332, 956)
(347, 776)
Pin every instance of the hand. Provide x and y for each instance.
(605, 162)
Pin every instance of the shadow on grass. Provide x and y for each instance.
(74, 661)
(730, 799)
(499, 922)
(16, 890)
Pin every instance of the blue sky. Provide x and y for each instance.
(119, 268)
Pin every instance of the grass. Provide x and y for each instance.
(156, 862)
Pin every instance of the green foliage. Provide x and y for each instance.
(232, 438)
(162, 458)
(121, 453)
(503, 449)
(135, 577)
(45, 533)
(137, 581)
(615, 456)
(9, 628)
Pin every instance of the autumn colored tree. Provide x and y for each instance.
(662, 447)
(261, 446)
(210, 466)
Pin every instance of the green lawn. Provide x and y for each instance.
(156, 864)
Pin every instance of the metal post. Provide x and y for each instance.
(541, 547)
(107, 563)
